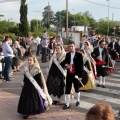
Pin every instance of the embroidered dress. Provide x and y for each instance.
(30, 102)
(88, 79)
(55, 80)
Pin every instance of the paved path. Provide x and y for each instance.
(9, 95)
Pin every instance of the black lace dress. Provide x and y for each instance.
(55, 82)
(30, 102)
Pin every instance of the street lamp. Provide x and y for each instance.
(108, 16)
(37, 20)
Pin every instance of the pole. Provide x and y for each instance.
(108, 17)
(112, 16)
(74, 16)
(66, 19)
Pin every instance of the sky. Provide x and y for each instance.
(10, 8)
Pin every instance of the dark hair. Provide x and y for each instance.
(45, 31)
(82, 51)
(87, 43)
(101, 42)
(71, 42)
(6, 38)
(59, 46)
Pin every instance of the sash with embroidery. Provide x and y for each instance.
(59, 66)
(90, 75)
(35, 84)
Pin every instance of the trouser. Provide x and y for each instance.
(102, 80)
(8, 63)
(69, 80)
(44, 54)
(38, 49)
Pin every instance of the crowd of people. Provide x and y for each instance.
(69, 71)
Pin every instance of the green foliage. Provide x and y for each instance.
(23, 26)
(103, 26)
(48, 17)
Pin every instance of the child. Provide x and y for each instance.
(32, 99)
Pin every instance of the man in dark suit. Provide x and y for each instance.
(113, 49)
(74, 65)
(100, 54)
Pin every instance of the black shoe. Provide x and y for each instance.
(25, 116)
(98, 85)
(65, 107)
(8, 80)
(55, 102)
(103, 86)
(77, 103)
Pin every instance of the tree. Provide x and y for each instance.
(23, 26)
(103, 26)
(81, 20)
(48, 16)
(92, 21)
(35, 25)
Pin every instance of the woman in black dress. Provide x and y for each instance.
(32, 99)
(17, 56)
(56, 75)
(88, 78)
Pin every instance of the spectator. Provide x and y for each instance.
(44, 43)
(38, 46)
(100, 112)
(17, 56)
(8, 54)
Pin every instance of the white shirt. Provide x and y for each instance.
(100, 50)
(113, 45)
(38, 40)
(71, 62)
(72, 57)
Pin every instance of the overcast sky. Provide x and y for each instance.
(10, 8)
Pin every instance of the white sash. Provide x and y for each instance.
(40, 91)
(90, 75)
(59, 66)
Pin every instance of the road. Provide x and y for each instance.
(9, 96)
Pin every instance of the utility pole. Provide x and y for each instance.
(66, 19)
(108, 16)
(112, 16)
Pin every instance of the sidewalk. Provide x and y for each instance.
(9, 96)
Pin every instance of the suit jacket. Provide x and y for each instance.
(96, 54)
(116, 46)
(78, 63)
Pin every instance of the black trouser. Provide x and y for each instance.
(44, 54)
(101, 71)
(69, 80)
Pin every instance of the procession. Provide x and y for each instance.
(69, 72)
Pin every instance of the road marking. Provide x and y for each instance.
(102, 97)
(111, 84)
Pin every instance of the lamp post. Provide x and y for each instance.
(37, 20)
(108, 16)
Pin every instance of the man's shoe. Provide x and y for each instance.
(8, 80)
(98, 85)
(103, 86)
(65, 107)
(77, 103)
(55, 102)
